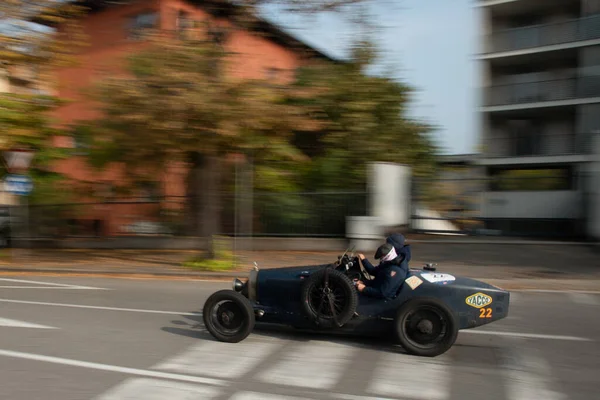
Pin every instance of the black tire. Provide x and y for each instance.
(442, 324)
(315, 298)
(233, 320)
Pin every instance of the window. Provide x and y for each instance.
(184, 23)
(525, 137)
(140, 23)
(532, 179)
(590, 7)
(148, 191)
(273, 74)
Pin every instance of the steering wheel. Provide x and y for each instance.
(351, 272)
(364, 272)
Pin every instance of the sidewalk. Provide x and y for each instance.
(505, 265)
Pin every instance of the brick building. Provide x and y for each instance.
(113, 31)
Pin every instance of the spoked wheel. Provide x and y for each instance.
(426, 327)
(329, 298)
(228, 316)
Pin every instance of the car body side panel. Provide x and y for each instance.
(474, 303)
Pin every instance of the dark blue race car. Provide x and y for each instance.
(424, 316)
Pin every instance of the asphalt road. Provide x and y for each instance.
(108, 339)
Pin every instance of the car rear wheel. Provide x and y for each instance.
(228, 316)
(329, 298)
(426, 327)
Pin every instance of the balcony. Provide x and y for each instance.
(586, 87)
(537, 149)
(537, 36)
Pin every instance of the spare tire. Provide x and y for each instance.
(327, 289)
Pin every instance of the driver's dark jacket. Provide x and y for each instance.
(385, 286)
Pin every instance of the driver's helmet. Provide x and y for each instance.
(385, 252)
(397, 240)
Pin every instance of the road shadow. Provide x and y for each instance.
(192, 326)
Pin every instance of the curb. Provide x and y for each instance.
(65, 271)
(515, 284)
(502, 242)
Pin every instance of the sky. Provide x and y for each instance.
(430, 43)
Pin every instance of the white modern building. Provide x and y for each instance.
(539, 111)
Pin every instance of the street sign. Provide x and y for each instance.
(18, 184)
(18, 160)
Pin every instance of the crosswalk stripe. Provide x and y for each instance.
(219, 359)
(263, 396)
(312, 364)
(412, 377)
(313, 367)
(157, 389)
(584, 298)
(527, 376)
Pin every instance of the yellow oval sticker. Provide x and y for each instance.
(478, 300)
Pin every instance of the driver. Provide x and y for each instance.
(389, 274)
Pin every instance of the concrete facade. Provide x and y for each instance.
(593, 225)
(540, 84)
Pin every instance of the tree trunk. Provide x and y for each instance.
(194, 198)
(211, 194)
(204, 198)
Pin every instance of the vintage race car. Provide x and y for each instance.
(424, 317)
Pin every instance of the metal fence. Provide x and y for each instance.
(541, 91)
(321, 214)
(507, 203)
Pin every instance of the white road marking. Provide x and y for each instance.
(219, 359)
(527, 335)
(112, 368)
(263, 396)
(411, 377)
(55, 285)
(299, 366)
(51, 287)
(555, 291)
(528, 376)
(41, 303)
(13, 323)
(584, 298)
(155, 389)
(338, 396)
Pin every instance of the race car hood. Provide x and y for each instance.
(444, 279)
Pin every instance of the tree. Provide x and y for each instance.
(29, 49)
(187, 108)
(364, 121)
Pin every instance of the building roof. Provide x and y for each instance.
(225, 9)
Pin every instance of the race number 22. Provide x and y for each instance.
(485, 313)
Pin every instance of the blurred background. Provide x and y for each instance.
(336, 119)
(152, 150)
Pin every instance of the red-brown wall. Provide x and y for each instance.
(108, 42)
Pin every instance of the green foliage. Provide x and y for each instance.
(363, 117)
(24, 124)
(223, 259)
(184, 103)
(29, 48)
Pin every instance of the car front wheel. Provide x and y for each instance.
(426, 327)
(228, 316)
